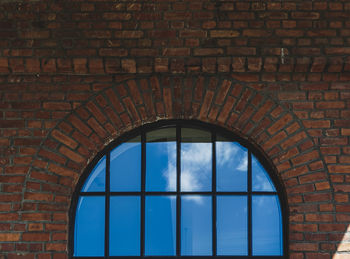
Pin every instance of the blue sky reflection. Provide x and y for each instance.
(260, 179)
(97, 178)
(126, 167)
(124, 229)
(196, 225)
(89, 226)
(196, 166)
(161, 166)
(232, 225)
(160, 225)
(267, 225)
(231, 166)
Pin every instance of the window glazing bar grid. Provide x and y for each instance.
(178, 194)
(174, 193)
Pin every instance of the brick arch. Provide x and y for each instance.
(252, 114)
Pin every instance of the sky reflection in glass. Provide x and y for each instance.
(196, 166)
(267, 225)
(231, 166)
(196, 213)
(161, 166)
(124, 229)
(126, 167)
(97, 178)
(196, 225)
(261, 181)
(90, 226)
(232, 225)
(160, 225)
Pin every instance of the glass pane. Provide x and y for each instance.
(196, 166)
(160, 225)
(97, 178)
(190, 135)
(196, 160)
(196, 225)
(161, 135)
(89, 233)
(126, 167)
(124, 229)
(261, 180)
(231, 166)
(161, 160)
(232, 225)
(266, 225)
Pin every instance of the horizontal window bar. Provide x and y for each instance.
(174, 193)
(185, 257)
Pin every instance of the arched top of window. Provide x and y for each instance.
(178, 189)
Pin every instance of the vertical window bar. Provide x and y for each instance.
(108, 159)
(250, 237)
(178, 186)
(213, 140)
(143, 184)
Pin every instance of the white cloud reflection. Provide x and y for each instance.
(226, 152)
(261, 183)
(196, 165)
(261, 180)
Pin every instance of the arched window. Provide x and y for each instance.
(178, 189)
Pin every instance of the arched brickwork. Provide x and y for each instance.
(128, 104)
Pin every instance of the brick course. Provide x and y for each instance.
(76, 75)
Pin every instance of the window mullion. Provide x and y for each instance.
(107, 203)
(143, 184)
(178, 186)
(213, 140)
(218, 195)
(250, 237)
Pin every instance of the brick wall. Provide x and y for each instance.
(74, 75)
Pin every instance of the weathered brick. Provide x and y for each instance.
(224, 33)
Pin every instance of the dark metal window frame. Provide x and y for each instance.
(280, 191)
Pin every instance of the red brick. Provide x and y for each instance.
(97, 128)
(9, 237)
(71, 154)
(303, 158)
(206, 104)
(330, 105)
(176, 52)
(278, 125)
(177, 15)
(4, 65)
(317, 124)
(224, 33)
(208, 52)
(36, 237)
(64, 139)
(274, 140)
(30, 34)
(113, 52)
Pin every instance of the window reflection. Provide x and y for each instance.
(89, 226)
(97, 178)
(196, 166)
(232, 225)
(150, 213)
(196, 160)
(232, 166)
(196, 225)
(124, 230)
(267, 222)
(161, 160)
(126, 167)
(260, 178)
(160, 217)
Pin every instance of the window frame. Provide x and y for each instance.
(214, 129)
